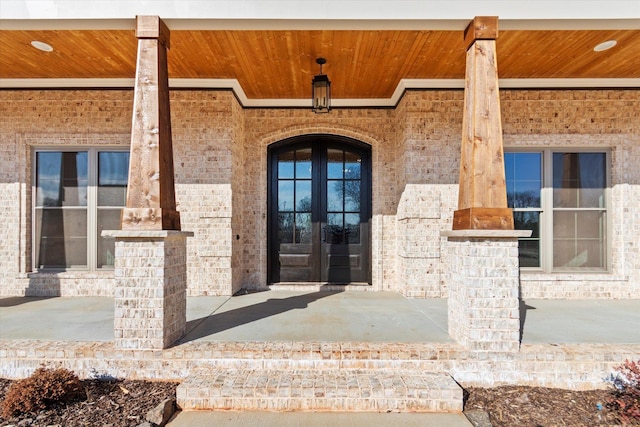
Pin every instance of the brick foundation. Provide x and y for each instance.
(484, 308)
(151, 285)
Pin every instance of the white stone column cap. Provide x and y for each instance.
(488, 234)
(145, 234)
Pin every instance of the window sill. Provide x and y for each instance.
(577, 276)
(71, 274)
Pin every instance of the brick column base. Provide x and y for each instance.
(151, 285)
(483, 286)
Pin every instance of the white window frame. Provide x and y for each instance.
(92, 204)
(546, 208)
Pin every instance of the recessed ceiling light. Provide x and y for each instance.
(41, 46)
(605, 45)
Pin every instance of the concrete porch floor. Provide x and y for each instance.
(322, 317)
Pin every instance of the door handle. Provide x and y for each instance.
(324, 234)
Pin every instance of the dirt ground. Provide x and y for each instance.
(125, 403)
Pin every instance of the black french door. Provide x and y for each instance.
(319, 211)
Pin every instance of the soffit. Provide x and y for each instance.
(361, 63)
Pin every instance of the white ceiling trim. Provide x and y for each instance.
(321, 10)
(235, 86)
(196, 24)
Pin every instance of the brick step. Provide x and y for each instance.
(311, 390)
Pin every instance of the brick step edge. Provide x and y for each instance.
(309, 390)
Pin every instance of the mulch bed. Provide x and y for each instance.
(120, 403)
(125, 403)
(510, 406)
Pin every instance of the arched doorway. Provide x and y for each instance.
(319, 210)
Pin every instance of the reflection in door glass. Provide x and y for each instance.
(334, 195)
(286, 162)
(285, 228)
(285, 196)
(334, 164)
(303, 164)
(334, 229)
(303, 228)
(352, 228)
(352, 196)
(303, 196)
(352, 162)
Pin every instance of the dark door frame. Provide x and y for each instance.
(315, 141)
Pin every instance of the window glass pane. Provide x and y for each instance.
(303, 163)
(579, 180)
(334, 229)
(108, 219)
(529, 247)
(334, 164)
(352, 228)
(303, 196)
(334, 196)
(61, 238)
(524, 179)
(285, 196)
(303, 228)
(285, 165)
(352, 164)
(528, 220)
(113, 171)
(61, 178)
(529, 253)
(579, 239)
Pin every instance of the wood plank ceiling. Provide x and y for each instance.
(276, 64)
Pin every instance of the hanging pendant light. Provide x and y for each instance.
(321, 90)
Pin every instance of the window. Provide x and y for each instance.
(561, 197)
(77, 195)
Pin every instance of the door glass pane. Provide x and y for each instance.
(303, 196)
(108, 219)
(334, 164)
(303, 228)
(286, 162)
(285, 196)
(352, 164)
(303, 164)
(334, 196)
(352, 228)
(61, 178)
(352, 196)
(285, 227)
(334, 229)
(61, 238)
(579, 180)
(113, 171)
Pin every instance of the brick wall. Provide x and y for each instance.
(220, 155)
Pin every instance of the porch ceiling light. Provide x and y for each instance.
(321, 90)
(605, 46)
(41, 46)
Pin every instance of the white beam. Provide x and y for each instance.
(234, 85)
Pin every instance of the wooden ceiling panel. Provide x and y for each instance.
(568, 54)
(76, 54)
(271, 64)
